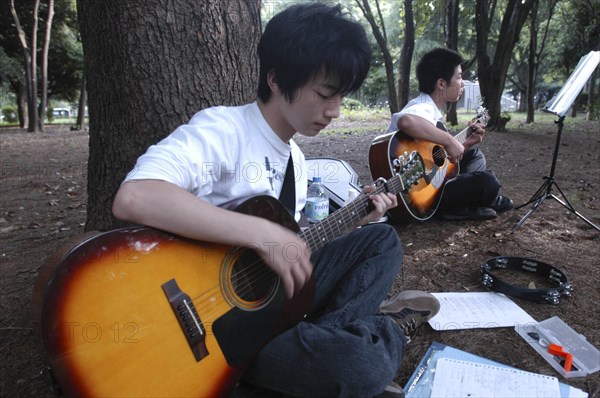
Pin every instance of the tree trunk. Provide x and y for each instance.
(452, 14)
(592, 103)
(30, 64)
(150, 65)
(532, 67)
(44, 77)
(406, 54)
(82, 103)
(492, 73)
(380, 37)
(21, 91)
(34, 117)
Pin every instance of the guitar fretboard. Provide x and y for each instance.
(482, 118)
(348, 216)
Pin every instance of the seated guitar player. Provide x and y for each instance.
(474, 193)
(352, 340)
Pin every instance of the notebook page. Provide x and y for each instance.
(455, 378)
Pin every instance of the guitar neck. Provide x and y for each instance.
(463, 135)
(348, 216)
(482, 118)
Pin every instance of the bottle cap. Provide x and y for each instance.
(352, 194)
(316, 179)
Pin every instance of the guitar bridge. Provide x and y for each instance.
(188, 319)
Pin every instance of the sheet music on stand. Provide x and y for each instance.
(561, 103)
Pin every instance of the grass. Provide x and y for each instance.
(68, 121)
(368, 120)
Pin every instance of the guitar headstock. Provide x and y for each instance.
(410, 168)
(483, 116)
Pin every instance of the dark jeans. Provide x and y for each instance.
(475, 185)
(344, 348)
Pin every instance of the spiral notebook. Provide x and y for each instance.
(464, 379)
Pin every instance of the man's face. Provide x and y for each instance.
(314, 106)
(454, 89)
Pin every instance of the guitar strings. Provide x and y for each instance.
(257, 271)
(332, 227)
(439, 151)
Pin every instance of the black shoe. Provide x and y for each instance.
(502, 204)
(468, 213)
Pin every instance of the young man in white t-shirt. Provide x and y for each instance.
(474, 193)
(311, 56)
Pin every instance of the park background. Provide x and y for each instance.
(149, 65)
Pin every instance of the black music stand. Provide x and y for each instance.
(559, 105)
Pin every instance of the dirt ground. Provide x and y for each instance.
(43, 203)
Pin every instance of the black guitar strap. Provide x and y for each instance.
(441, 126)
(288, 192)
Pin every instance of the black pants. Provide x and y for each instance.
(475, 185)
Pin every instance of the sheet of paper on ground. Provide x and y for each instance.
(477, 310)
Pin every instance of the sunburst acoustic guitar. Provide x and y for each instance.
(139, 312)
(422, 199)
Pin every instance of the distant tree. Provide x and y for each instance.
(11, 76)
(65, 58)
(406, 54)
(536, 52)
(379, 32)
(80, 123)
(452, 18)
(29, 49)
(44, 66)
(149, 66)
(580, 34)
(493, 60)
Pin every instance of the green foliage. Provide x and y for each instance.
(503, 120)
(65, 56)
(66, 61)
(10, 113)
(352, 104)
(50, 113)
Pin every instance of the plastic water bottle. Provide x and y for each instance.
(317, 202)
(352, 194)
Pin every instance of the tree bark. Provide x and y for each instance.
(492, 72)
(44, 68)
(21, 92)
(30, 62)
(592, 103)
(380, 37)
(406, 54)
(532, 68)
(452, 14)
(82, 103)
(150, 65)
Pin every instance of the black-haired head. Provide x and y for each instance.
(439, 63)
(305, 40)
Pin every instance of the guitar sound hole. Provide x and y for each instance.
(252, 281)
(438, 155)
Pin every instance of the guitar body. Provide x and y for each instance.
(140, 312)
(421, 200)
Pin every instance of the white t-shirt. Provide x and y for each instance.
(422, 106)
(224, 154)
